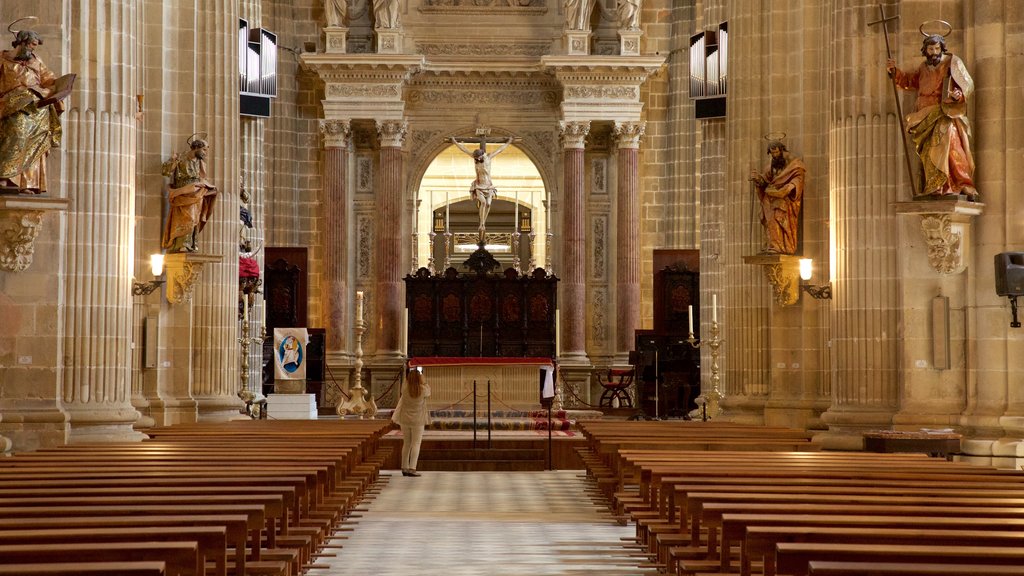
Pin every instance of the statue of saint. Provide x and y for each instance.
(628, 12)
(385, 14)
(191, 197)
(336, 11)
(30, 105)
(780, 189)
(482, 190)
(938, 125)
(577, 14)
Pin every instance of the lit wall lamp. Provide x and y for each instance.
(156, 264)
(822, 292)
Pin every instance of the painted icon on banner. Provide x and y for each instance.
(290, 353)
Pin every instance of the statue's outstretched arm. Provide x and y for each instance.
(502, 147)
(461, 147)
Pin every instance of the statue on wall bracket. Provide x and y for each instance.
(780, 190)
(190, 194)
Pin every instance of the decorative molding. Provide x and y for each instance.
(628, 134)
(629, 42)
(600, 226)
(486, 7)
(423, 139)
(392, 132)
(783, 274)
(21, 220)
(336, 39)
(336, 133)
(364, 258)
(455, 97)
(336, 91)
(577, 42)
(546, 144)
(479, 49)
(573, 134)
(602, 93)
(389, 41)
(183, 270)
(599, 175)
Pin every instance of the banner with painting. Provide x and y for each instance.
(290, 353)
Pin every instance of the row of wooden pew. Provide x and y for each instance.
(704, 504)
(260, 497)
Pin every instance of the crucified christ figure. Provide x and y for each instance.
(482, 190)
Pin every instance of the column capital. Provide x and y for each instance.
(336, 133)
(392, 132)
(628, 134)
(573, 134)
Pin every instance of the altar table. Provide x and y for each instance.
(514, 381)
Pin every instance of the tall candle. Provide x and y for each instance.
(689, 311)
(515, 223)
(714, 307)
(359, 306)
(447, 215)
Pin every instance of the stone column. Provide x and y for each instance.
(389, 238)
(627, 283)
(336, 208)
(100, 137)
(574, 245)
(214, 307)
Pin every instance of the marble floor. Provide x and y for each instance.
(484, 523)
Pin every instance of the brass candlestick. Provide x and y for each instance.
(361, 402)
(710, 401)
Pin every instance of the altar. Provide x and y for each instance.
(515, 382)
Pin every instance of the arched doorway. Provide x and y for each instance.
(444, 206)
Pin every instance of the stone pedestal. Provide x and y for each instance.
(21, 219)
(290, 386)
(577, 42)
(389, 41)
(335, 39)
(291, 406)
(629, 42)
(183, 270)
(783, 273)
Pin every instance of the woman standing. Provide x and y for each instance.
(412, 415)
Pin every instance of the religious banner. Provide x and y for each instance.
(290, 353)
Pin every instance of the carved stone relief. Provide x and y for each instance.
(364, 174)
(599, 175)
(600, 247)
(546, 143)
(481, 97)
(630, 93)
(363, 91)
(574, 134)
(17, 240)
(944, 244)
(599, 323)
(364, 229)
(533, 49)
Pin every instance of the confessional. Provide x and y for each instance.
(667, 367)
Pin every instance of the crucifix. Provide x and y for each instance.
(482, 190)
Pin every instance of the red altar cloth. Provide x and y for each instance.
(477, 361)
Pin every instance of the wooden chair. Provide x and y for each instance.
(616, 384)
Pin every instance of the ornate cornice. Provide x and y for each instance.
(573, 134)
(21, 220)
(481, 49)
(602, 87)
(392, 132)
(628, 134)
(602, 92)
(362, 67)
(336, 133)
(485, 7)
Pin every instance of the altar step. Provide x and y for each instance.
(523, 423)
(482, 459)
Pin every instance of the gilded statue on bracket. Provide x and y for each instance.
(191, 196)
(780, 191)
(31, 101)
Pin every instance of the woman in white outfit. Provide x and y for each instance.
(412, 415)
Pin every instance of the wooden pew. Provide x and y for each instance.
(793, 558)
(179, 558)
(825, 568)
(84, 569)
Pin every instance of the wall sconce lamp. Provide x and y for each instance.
(822, 292)
(156, 264)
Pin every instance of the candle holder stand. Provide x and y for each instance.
(709, 402)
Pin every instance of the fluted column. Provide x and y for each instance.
(335, 281)
(627, 288)
(574, 245)
(100, 137)
(389, 238)
(214, 320)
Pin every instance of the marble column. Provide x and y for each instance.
(336, 207)
(627, 282)
(215, 363)
(100, 137)
(389, 238)
(574, 245)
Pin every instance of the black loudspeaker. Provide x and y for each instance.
(1010, 273)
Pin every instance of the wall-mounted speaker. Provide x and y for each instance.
(1010, 273)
